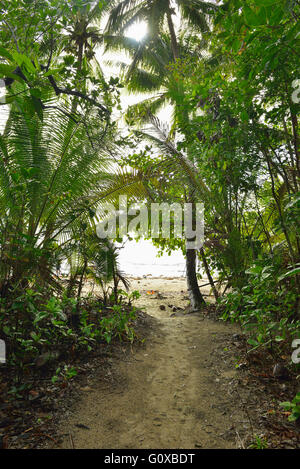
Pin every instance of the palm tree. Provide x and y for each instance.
(155, 53)
(81, 41)
(150, 58)
(151, 74)
(52, 180)
(156, 13)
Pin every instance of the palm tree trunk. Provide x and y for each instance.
(174, 43)
(195, 296)
(79, 68)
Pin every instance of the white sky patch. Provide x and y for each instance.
(139, 258)
(3, 108)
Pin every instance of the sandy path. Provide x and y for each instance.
(170, 395)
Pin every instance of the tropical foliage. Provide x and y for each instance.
(230, 72)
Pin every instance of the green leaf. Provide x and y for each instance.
(253, 342)
(250, 17)
(290, 273)
(53, 71)
(276, 16)
(279, 338)
(262, 15)
(22, 59)
(5, 53)
(266, 2)
(236, 45)
(294, 417)
(244, 116)
(6, 71)
(36, 92)
(37, 104)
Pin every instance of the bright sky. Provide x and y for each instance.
(140, 258)
(137, 30)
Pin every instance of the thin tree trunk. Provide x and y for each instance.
(195, 296)
(80, 286)
(75, 318)
(283, 225)
(115, 283)
(207, 271)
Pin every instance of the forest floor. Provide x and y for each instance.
(186, 386)
(188, 381)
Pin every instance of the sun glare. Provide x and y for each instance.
(137, 31)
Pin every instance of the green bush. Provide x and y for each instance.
(265, 307)
(293, 407)
(33, 324)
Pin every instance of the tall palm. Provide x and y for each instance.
(148, 71)
(158, 50)
(157, 14)
(82, 39)
(151, 74)
(52, 180)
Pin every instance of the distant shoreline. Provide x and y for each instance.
(155, 277)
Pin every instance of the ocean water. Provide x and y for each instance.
(139, 258)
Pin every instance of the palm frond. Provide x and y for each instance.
(120, 13)
(158, 134)
(141, 112)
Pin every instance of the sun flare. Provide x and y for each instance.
(137, 31)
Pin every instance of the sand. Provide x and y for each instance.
(170, 392)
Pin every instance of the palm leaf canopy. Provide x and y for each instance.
(52, 179)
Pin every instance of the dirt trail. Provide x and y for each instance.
(173, 391)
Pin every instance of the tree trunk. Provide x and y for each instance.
(115, 279)
(81, 279)
(79, 68)
(174, 43)
(207, 271)
(195, 296)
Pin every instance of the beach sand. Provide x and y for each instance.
(169, 390)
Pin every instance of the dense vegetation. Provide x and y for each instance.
(231, 74)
